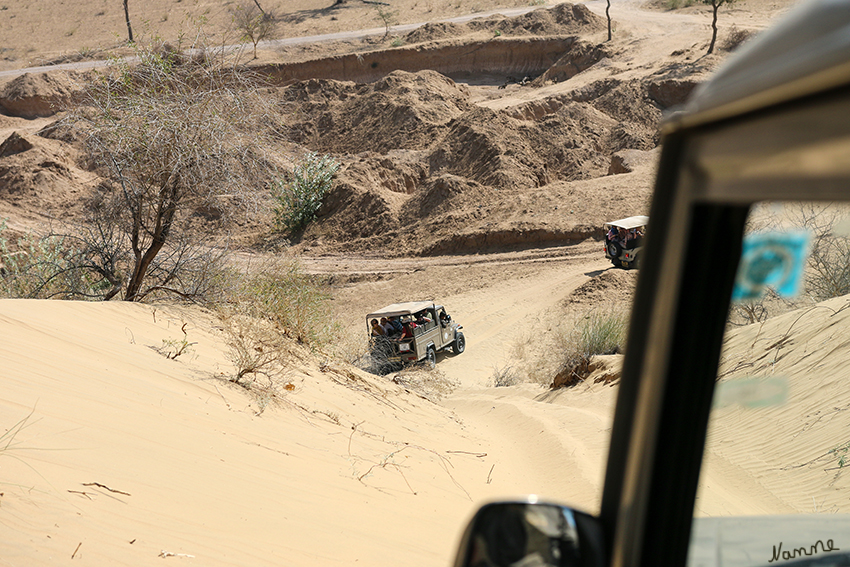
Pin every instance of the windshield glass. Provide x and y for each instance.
(779, 434)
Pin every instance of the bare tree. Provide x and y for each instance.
(608, 15)
(828, 265)
(715, 5)
(127, 18)
(253, 23)
(256, 2)
(174, 134)
(387, 17)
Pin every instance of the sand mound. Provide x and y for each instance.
(422, 147)
(580, 56)
(400, 111)
(38, 95)
(610, 288)
(427, 146)
(563, 19)
(41, 175)
(433, 31)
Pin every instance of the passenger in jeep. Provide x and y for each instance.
(396, 324)
(445, 319)
(633, 238)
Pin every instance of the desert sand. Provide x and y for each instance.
(114, 453)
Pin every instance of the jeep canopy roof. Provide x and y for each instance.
(630, 222)
(399, 309)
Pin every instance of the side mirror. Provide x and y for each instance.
(531, 534)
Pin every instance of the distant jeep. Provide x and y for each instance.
(411, 332)
(624, 241)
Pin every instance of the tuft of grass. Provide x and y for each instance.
(598, 332)
(8, 437)
(505, 376)
(841, 454)
(278, 291)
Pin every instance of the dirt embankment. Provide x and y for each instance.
(498, 56)
(427, 169)
(522, 46)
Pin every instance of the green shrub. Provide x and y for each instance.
(300, 195)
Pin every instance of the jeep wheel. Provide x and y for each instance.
(431, 357)
(459, 345)
(614, 249)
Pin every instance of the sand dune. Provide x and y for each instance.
(127, 453)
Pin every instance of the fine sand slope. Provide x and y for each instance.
(113, 453)
(121, 454)
(775, 442)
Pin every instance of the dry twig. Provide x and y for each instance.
(103, 486)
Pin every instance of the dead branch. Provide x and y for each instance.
(467, 453)
(86, 494)
(103, 486)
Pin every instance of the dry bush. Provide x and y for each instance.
(263, 311)
(828, 226)
(505, 376)
(255, 348)
(735, 38)
(365, 353)
(276, 290)
(91, 261)
(352, 347)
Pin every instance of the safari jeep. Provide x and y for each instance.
(624, 241)
(435, 335)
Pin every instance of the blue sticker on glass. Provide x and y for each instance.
(771, 259)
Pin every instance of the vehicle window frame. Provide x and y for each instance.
(703, 194)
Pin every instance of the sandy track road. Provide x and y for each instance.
(495, 318)
(530, 435)
(499, 298)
